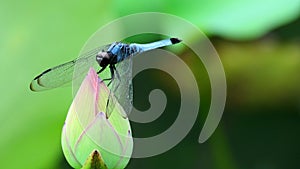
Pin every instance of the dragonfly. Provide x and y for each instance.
(116, 56)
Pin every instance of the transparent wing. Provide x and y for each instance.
(63, 74)
(121, 89)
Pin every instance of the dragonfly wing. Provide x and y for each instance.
(63, 74)
(121, 89)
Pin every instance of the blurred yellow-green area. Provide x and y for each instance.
(258, 43)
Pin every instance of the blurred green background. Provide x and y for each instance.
(258, 43)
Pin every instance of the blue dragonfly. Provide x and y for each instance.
(117, 56)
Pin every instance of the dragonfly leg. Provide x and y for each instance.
(111, 67)
(112, 75)
(117, 73)
(113, 71)
(101, 70)
(107, 102)
(118, 78)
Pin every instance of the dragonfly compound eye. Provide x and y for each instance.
(102, 61)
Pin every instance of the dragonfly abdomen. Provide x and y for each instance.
(122, 50)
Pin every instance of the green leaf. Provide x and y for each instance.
(235, 19)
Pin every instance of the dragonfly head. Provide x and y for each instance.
(103, 58)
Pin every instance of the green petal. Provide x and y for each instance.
(94, 161)
(87, 128)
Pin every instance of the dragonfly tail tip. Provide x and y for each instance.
(175, 40)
